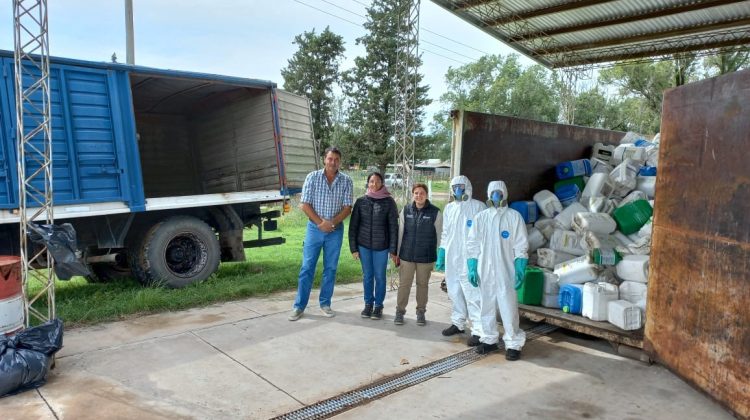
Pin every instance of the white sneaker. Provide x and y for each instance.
(327, 311)
(296, 314)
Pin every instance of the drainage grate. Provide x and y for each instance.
(348, 400)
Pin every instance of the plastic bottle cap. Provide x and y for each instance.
(566, 309)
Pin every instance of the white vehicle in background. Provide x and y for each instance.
(394, 180)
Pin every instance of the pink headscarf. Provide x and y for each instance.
(381, 193)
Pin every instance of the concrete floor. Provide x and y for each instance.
(245, 360)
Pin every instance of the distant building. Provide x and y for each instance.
(431, 168)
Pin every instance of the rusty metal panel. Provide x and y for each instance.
(698, 320)
(521, 152)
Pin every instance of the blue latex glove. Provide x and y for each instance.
(472, 263)
(520, 264)
(440, 264)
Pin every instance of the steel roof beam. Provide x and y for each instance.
(564, 7)
(648, 36)
(654, 52)
(638, 16)
(468, 4)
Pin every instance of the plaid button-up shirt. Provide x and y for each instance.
(327, 200)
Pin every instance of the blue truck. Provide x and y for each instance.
(160, 172)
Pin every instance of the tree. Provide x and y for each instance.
(645, 80)
(500, 85)
(313, 71)
(727, 61)
(533, 95)
(594, 109)
(370, 85)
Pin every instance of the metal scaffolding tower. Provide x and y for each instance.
(34, 153)
(407, 67)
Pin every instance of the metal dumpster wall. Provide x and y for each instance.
(521, 152)
(699, 286)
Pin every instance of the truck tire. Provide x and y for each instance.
(176, 252)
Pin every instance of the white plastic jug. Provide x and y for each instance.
(551, 290)
(535, 238)
(602, 152)
(566, 241)
(633, 291)
(549, 258)
(633, 268)
(547, 226)
(596, 297)
(646, 230)
(577, 271)
(593, 222)
(623, 177)
(598, 165)
(599, 204)
(598, 184)
(629, 151)
(633, 196)
(548, 203)
(624, 314)
(593, 240)
(565, 218)
(647, 184)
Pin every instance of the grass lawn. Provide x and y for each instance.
(267, 270)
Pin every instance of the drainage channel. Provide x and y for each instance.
(380, 389)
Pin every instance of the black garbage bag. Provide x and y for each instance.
(61, 242)
(25, 358)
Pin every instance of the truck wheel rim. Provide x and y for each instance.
(186, 255)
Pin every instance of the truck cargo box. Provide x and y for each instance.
(126, 136)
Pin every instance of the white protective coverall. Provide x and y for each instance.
(457, 219)
(496, 239)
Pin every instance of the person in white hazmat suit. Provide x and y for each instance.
(457, 219)
(497, 251)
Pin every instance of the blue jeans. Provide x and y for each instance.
(330, 243)
(374, 264)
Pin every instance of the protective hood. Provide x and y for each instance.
(461, 180)
(498, 185)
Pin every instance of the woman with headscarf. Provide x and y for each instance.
(373, 235)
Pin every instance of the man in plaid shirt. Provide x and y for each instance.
(327, 197)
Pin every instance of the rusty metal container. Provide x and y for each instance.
(521, 152)
(11, 295)
(698, 319)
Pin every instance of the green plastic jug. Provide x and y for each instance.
(632, 216)
(532, 289)
(576, 180)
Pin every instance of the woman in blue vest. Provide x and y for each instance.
(420, 226)
(373, 234)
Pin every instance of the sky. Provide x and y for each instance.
(250, 38)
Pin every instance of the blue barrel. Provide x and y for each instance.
(571, 298)
(528, 210)
(571, 168)
(568, 194)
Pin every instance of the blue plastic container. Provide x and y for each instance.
(571, 298)
(528, 210)
(568, 194)
(571, 168)
(643, 143)
(647, 171)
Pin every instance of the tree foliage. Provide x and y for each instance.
(313, 71)
(727, 61)
(371, 85)
(500, 85)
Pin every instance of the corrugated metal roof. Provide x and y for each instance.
(565, 33)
